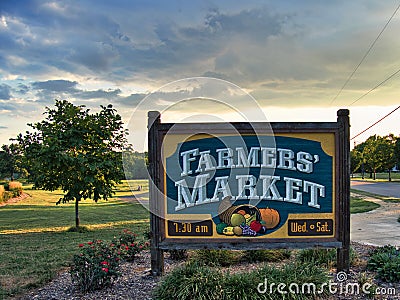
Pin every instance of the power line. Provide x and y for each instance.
(365, 55)
(381, 119)
(375, 87)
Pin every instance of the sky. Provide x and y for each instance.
(289, 60)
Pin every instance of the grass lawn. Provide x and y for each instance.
(379, 176)
(34, 244)
(359, 205)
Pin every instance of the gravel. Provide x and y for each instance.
(136, 282)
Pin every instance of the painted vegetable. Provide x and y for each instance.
(220, 227)
(270, 216)
(228, 230)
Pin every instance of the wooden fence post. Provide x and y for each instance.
(157, 255)
(343, 254)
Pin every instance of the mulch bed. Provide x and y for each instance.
(136, 282)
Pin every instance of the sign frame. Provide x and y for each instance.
(341, 240)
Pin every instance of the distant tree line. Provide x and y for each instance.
(376, 154)
(14, 165)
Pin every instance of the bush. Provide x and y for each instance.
(127, 245)
(14, 187)
(95, 267)
(322, 257)
(386, 262)
(211, 257)
(2, 191)
(191, 281)
(195, 281)
(266, 255)
(178, 254)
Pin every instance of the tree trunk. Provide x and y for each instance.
(390, 175)
(76, 212)
(374, 175)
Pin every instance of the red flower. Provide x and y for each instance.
(90, 243)
(105, 269)
(104, 263)
(140, 247)
(81, 245)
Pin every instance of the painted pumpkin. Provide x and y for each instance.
(270, 216)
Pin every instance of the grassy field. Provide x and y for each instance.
(34, 244)
(359, 205)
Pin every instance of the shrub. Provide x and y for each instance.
(386, 262)
(2, 191)
(195, 281)
(322, 257)
(128, 246)
(14, 187)
(211, 257)
(178, 254)
(191, 281)
(266, 255)
(95, 267)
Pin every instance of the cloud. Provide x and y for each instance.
(56, 86)
(5, 92)
(3, 127)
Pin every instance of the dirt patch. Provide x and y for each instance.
(15, 199)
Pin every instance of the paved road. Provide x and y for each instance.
(380, 226)
(390, 189)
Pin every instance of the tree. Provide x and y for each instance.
(372, 154)
(387, 149)
(135, 165)
(355, 160)
(77, 151)
(11, 161)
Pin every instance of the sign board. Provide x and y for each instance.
(249, 185)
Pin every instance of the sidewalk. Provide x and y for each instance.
(377, 227)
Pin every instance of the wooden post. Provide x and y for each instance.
(157, 255)
(343, 254)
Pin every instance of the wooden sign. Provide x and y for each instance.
(249, 186)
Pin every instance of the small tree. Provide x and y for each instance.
(11, 161)
(76, 151)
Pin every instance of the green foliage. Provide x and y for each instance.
(95, 267)
(386, 262)
(76, 150)
(191, 281)
(320, 257)
(196, 281)
(128, 246)
(376, 154)
(266, 255)
(178, 254)
(359, 205)
(12, 161)
(135, 165)
(211, 257)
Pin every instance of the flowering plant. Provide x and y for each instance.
(95, 267)
(128, 246)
